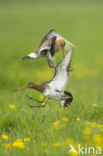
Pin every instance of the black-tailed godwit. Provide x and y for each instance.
(55, 88)
(51, 43)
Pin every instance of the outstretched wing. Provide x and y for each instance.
(33, 55)
(46, 37)
(68, 45)
(51, 34)
(61, 75)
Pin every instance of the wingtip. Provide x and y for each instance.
(25, 57)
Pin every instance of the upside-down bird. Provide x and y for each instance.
(51, 43)
(55, 88)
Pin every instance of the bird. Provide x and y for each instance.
(51, 43)
(55, 88)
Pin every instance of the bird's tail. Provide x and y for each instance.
(68, 98)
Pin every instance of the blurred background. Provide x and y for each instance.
(22, 26)
(24, 23)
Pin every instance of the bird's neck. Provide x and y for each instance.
(38, 87)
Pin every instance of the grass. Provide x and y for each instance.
(21, 28)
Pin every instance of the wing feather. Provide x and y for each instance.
(46, 37)
(48, 44)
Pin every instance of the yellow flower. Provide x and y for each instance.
(18, 144)
(94, 105)
(102, 118)
(87, 130)
(5, 137)
(19, 140)
(73, 154)
(42, 96)
(56, 124)
(98, 139)
(68, 142)
(65, 119)
(44, 144)
(26, 139)
(102, 130)
(93, 124)
(12, 106)
(100, 126)
(56, 144)
(78, 119)
(6, 145)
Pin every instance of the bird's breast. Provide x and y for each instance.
(53, 94)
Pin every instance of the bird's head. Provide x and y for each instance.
(60, 43)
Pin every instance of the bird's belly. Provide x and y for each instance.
(61, 83)
(52, 94)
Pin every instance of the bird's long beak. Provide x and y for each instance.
(33, 55)
(21, 88)
(63, 52)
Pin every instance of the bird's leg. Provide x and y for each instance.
(36, 99)
(37, 106)
(51, 66)
(34, 106)
(63, 52)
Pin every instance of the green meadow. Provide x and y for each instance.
(50, 130)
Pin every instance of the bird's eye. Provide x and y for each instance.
(44, 52)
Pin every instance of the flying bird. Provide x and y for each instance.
(51, 43)
(55, 88)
